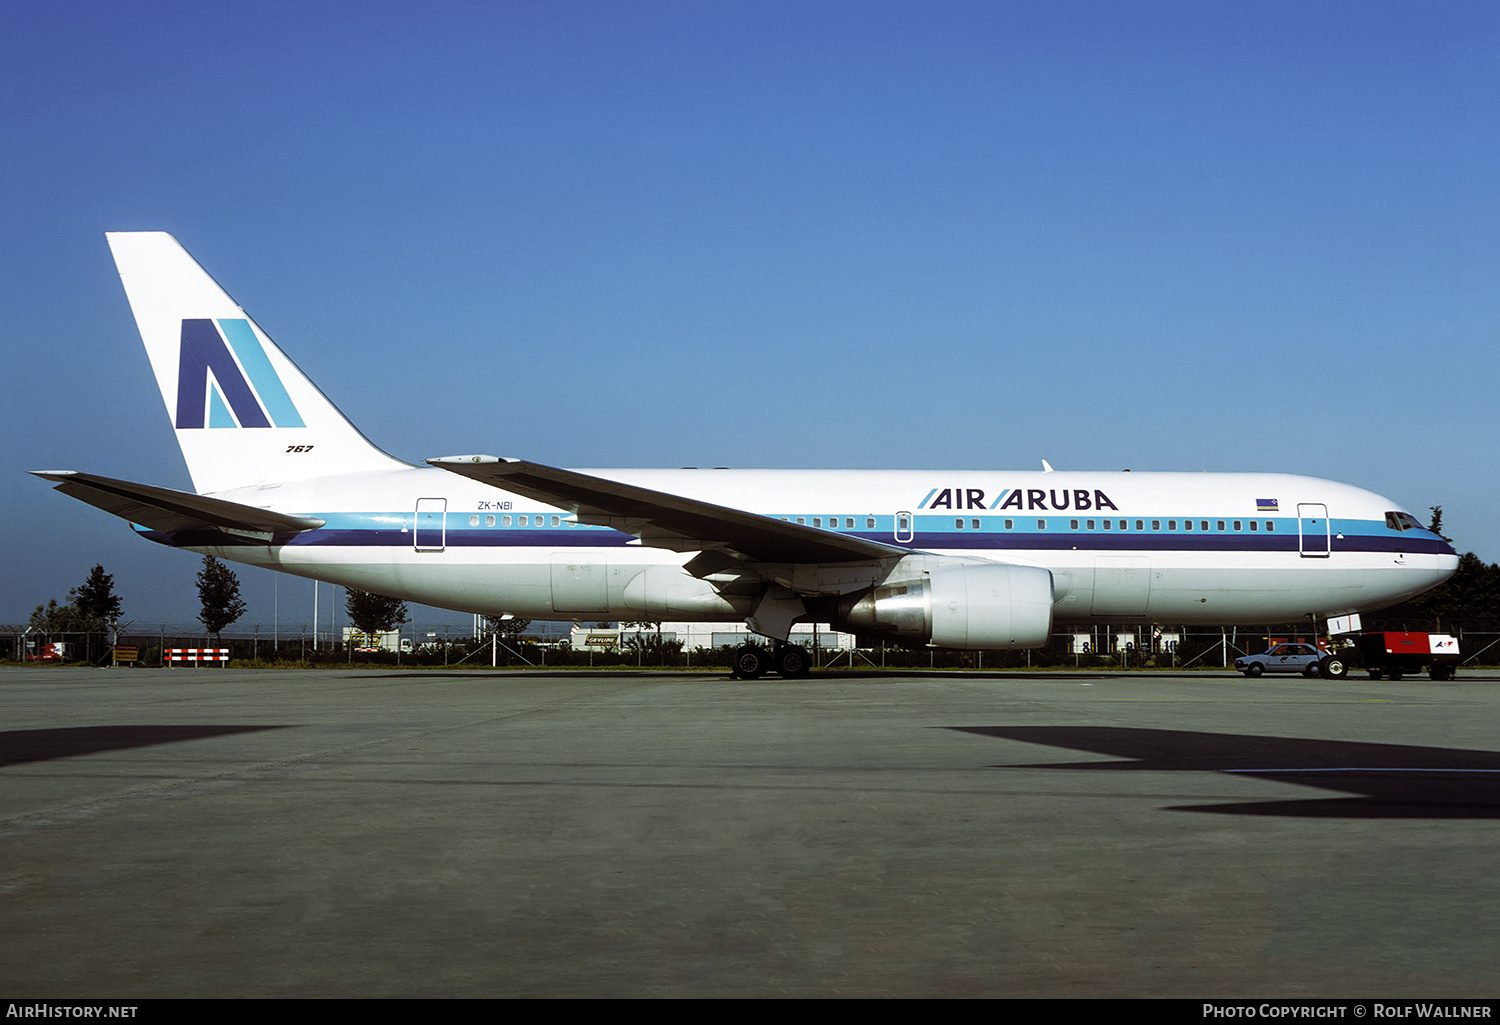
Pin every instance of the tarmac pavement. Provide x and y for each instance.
(232, 832)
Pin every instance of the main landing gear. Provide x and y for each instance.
(751, 661)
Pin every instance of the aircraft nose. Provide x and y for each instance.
(1447, 554)
(1450, 565)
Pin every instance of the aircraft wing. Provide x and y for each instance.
(663, 520)
(170, 511)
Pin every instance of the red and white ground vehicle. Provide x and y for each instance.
(1392, 653)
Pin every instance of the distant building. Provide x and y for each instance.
(708, 635)
(390, 640)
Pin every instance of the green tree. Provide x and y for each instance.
(508, 627)
(96, 603)
(219, 594)
(1437, 522)
(53, 618)
(373, 613)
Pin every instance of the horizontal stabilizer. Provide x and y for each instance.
(663, 520)
(169, 511)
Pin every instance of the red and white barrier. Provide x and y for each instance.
(196, 655)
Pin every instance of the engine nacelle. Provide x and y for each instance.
(956, 603)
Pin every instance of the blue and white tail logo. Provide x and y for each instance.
(217, 369)
(231, 385)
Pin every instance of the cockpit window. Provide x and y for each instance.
(1401, 521)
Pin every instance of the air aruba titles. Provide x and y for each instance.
(1079, 499)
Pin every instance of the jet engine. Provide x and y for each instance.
(955, 603)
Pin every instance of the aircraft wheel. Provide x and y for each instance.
(792, 660)
(749, 662)
(1334, 668)
(1254, 669)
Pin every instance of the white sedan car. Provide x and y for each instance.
(1283, 658)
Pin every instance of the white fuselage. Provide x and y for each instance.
(1207, 548)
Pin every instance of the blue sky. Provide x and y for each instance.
(1175, 236)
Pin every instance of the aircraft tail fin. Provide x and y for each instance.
(244, 414)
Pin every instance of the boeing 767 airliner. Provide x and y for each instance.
(962, 559)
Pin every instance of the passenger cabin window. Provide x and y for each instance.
(1156, 524)
(1010, 524)
(1041, 524)
(1270, 524)
(1203, 525)
(1187, 524)
(958, 524)
(505, 521)
(1090, 524)
(869, 522)
(1140, 524)
(974, 524)
(1072, 524)
(1107, 524)
(1254, 524)
(1236, 524)
(1221, 525)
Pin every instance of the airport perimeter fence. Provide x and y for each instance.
(1112, 647)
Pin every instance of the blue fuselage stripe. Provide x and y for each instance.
(393, 530)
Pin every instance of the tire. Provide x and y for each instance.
(1333, 667)
(1375, 674)
(1311, 669)
(749, 662)
(792, 661)
(1254, 669)
(1393, 675)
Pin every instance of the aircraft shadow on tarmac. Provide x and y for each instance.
(18, 746)
(1398, 781)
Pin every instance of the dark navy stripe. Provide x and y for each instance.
(1146, 541)
(981, 541)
